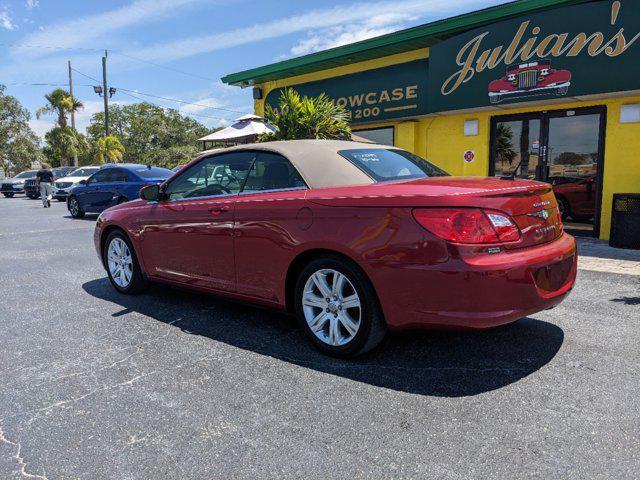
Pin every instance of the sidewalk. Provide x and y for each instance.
(598, 256)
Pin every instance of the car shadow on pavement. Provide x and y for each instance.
(443, 364)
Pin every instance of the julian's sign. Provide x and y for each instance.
(583, 49)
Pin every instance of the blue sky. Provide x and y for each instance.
(204, 38)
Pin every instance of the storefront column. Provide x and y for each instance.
(405, 135)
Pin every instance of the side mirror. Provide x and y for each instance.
(82, 182)
(151, 193)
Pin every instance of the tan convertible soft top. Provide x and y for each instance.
(317, 161)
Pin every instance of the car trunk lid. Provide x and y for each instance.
(531, 204)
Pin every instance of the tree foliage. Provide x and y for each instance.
(300, 117)
(505, 148)
(150, 134)
(63, 143)
(59, 103)
(109, 149)
(19, 145)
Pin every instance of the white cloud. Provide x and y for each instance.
(82, 32)
(200, 105)
(31, 4)
(5, 19)
(313, 20)
(375, 26)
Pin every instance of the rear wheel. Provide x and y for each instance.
(337, 307)
(122, 264)
(74, 208)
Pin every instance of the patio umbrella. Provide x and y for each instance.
(245, 129)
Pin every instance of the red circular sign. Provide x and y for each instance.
(469, 156)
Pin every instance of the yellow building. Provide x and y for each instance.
(545, 89)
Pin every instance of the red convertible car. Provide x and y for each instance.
(353, 238)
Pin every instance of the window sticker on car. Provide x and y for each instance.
(366, 157)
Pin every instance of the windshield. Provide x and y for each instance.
(29, 174)
(84, 172)
(60, 172)
(383, 164)
(153, 172)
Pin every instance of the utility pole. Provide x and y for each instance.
(106, 94)
(73, 116)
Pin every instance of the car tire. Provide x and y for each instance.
(8, 195)
(335, 328)
(32, 197)
(74, 208)
(122, 265)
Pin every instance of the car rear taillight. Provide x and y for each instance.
(468, 225)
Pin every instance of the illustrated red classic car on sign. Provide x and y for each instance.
(529, 79)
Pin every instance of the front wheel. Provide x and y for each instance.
(74, 208)
(338, 308)
(8, 195)
(122, 264)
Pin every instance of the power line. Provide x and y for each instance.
(166, 67)
(85, 75)
(189, 114)
(159, 65)
(41, 84)
(50, 47)
(137, 92)
(179, 101)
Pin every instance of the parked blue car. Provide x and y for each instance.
(112, 185)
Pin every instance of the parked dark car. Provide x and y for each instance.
(112, 185)
(31, 188)
(12, 186)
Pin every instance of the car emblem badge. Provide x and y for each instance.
(543, 214)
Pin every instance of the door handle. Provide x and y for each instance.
(218, 209)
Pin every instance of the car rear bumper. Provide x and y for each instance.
(480, 291)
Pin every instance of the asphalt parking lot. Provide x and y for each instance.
(170, 384)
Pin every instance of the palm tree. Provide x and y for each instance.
(306, 117)
(109, 149)
(505, 149)
(60, 103)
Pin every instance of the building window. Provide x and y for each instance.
(383, 136)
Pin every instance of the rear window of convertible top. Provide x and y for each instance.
(388, 164)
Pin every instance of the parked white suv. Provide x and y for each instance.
(65, 184)
(11, 186)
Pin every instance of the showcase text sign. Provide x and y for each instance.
(380, 94)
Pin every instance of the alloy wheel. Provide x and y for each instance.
(73, 206)
(331, 307)
(120, 262)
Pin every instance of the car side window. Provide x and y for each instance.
(117, 175)
(217, 175)
(100, 177)
(271, 171)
